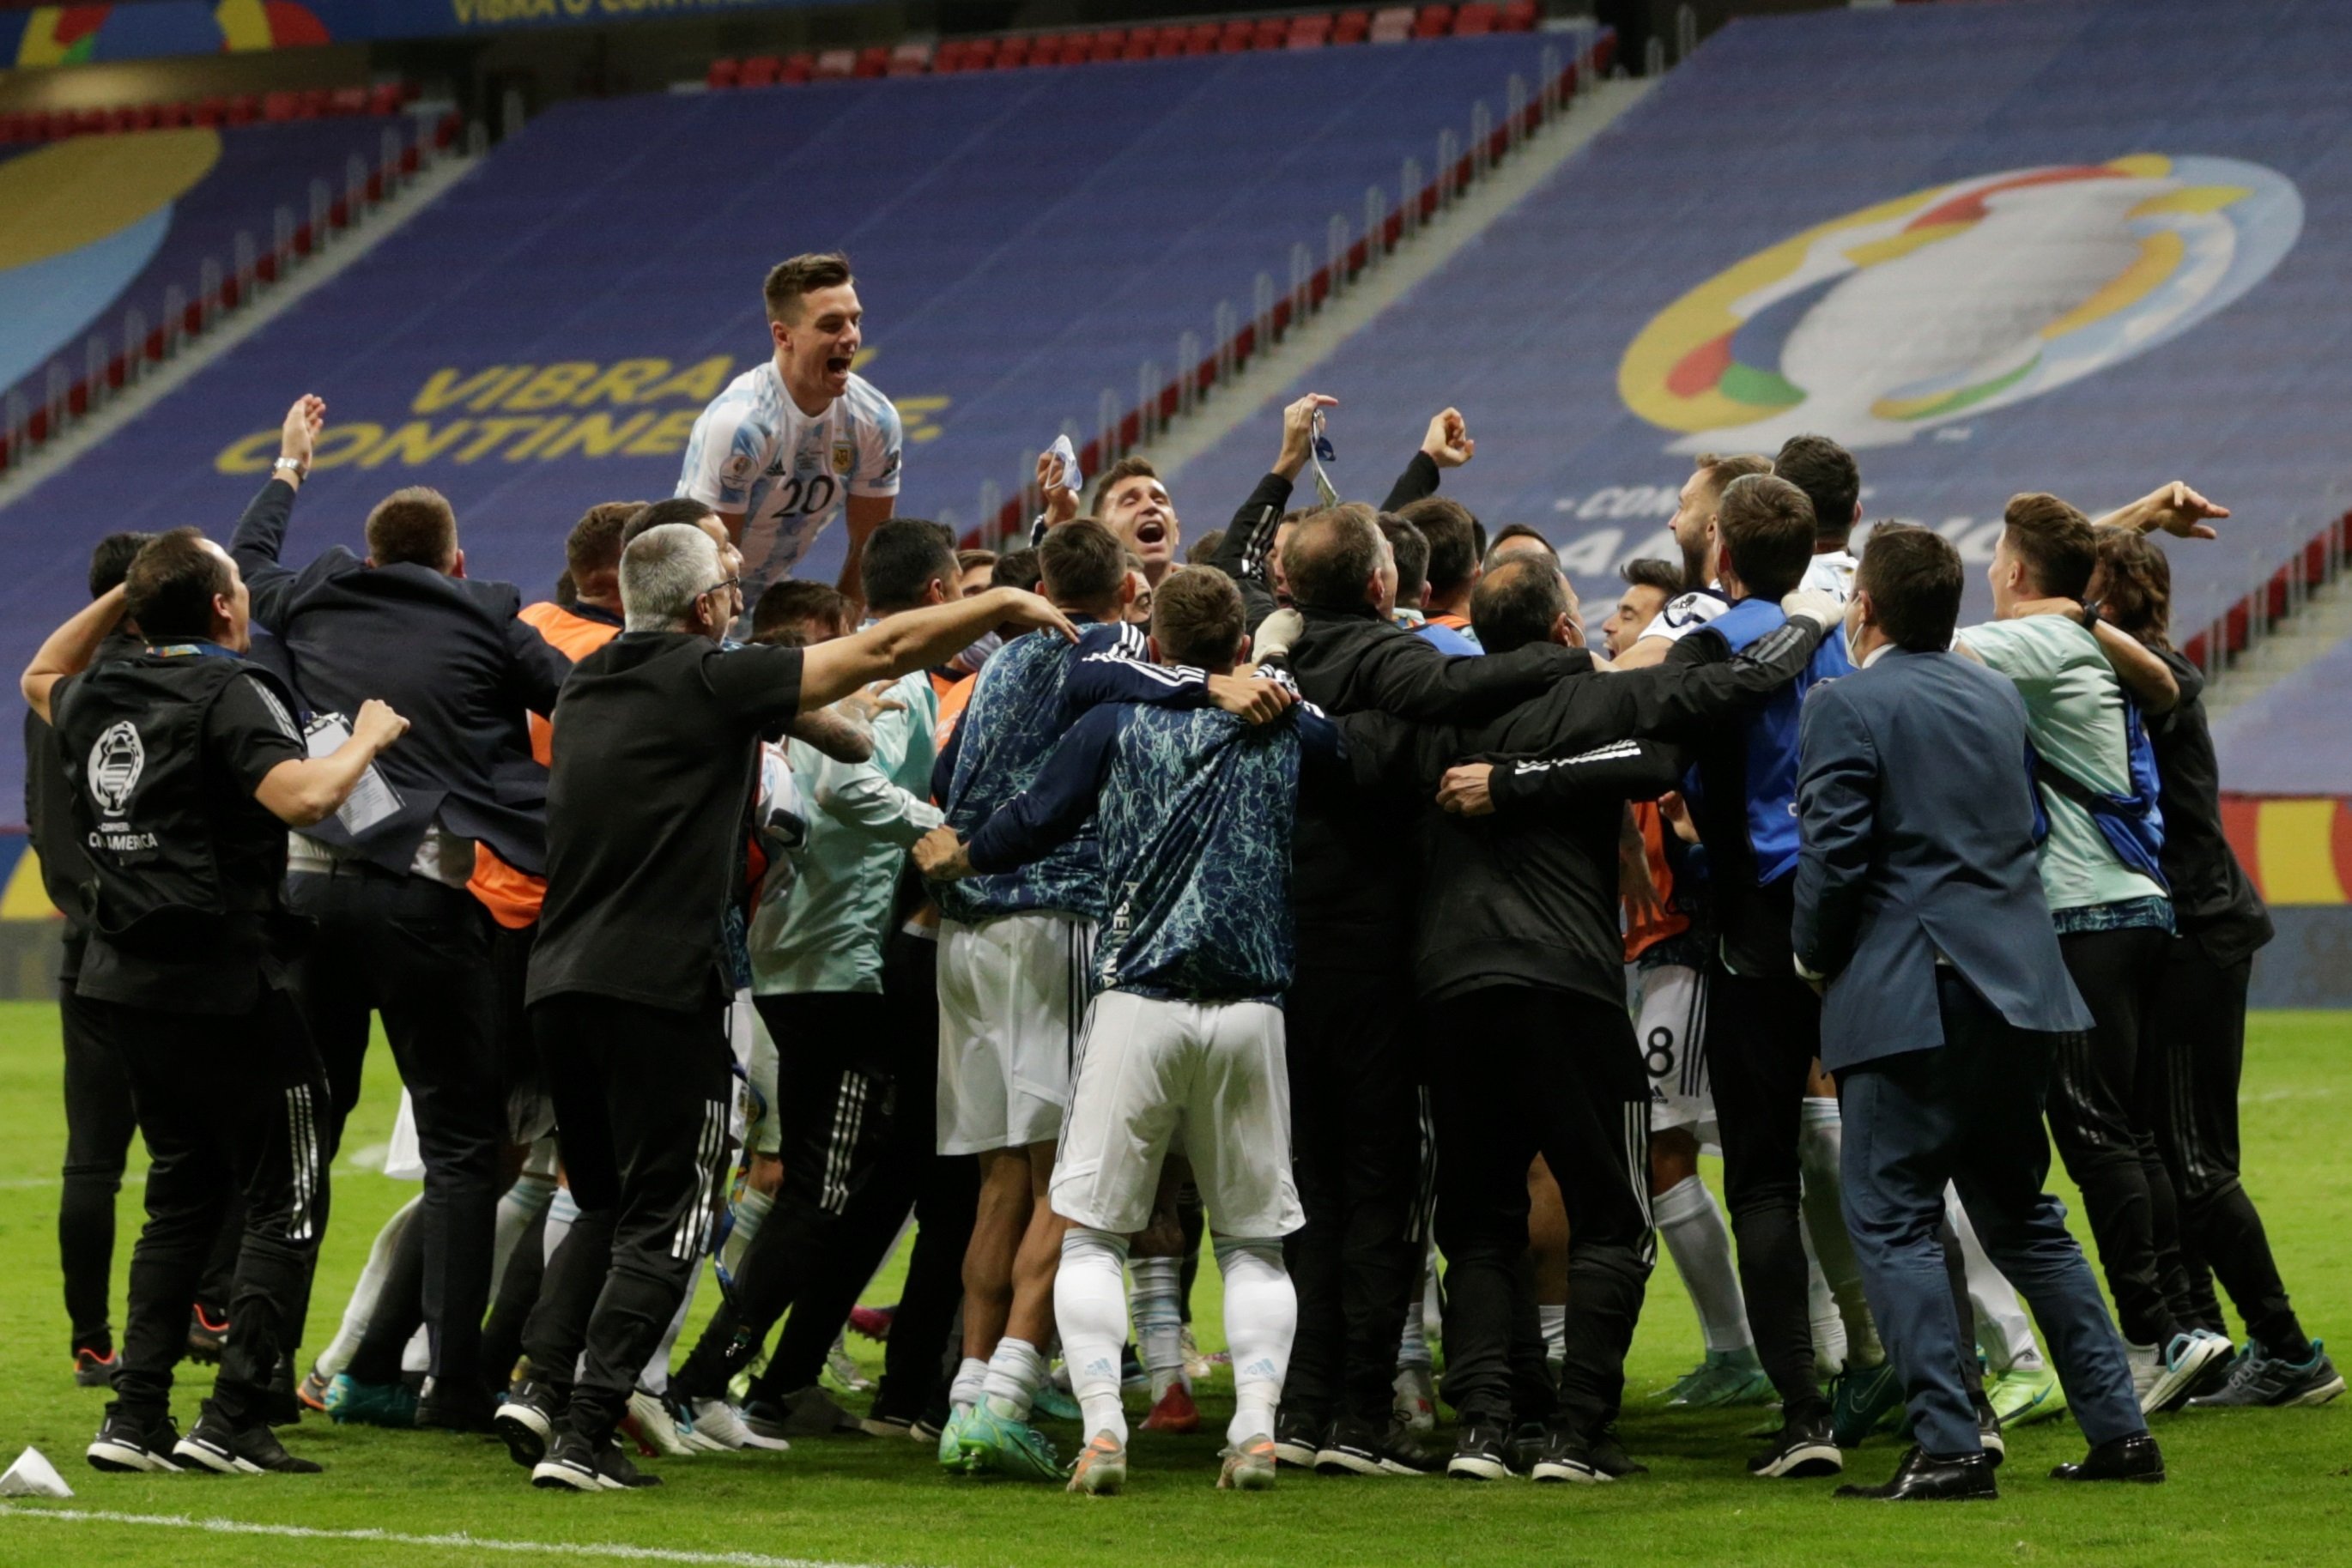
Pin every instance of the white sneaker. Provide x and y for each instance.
(722, 1424)
(649, 1421)
(1416, 1399)
(2164, 1382)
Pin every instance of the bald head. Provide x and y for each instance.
(1335, 559)
(1524, 599)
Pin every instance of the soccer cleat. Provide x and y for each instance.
(996, 1445)
(312, 1393)
(1197, 1365)
(1804, 1445)
(355, 1404)
(1726, 1377)
(649, 1421)
(2165, 1380)
(1174, 1412)
(841, 1368)
(2022, 1395)
(722, 1426)
(1249, 1465)
(1354, 1447)
(207, 1333)
(872, 1322)
(1415, 1403)
(1053, 1403)
(1482, 1453)
(92, 1369)
(214, 1445)
(1101, 1467)
(951, 1450)
(574, 1463)
(527, 1421)
(2258, 1377)
(128, 1443)
(1862, 1400)
(1298, 1437)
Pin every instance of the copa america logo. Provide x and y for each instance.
(1957, 299)
(115, 764)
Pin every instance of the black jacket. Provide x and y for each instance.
(2212, 898)
(447, 652)
(1241, 554)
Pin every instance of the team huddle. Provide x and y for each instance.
(1319, 890)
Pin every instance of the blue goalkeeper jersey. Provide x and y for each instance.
(1194, 810)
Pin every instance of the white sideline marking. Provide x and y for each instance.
(613, 1548)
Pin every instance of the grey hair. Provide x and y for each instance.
(663, 572)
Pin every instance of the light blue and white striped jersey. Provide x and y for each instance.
(754, 452)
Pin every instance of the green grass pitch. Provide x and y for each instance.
(2247, 1489)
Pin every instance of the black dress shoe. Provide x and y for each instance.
(1923, 1477)
(2133, 1458)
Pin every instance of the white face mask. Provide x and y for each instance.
(973, 657)
(1849, 622)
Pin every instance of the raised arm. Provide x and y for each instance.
(1837, 808)
(919, 638)
(1447, 444)
(68, 650)
(260, 534)
(2173, 509)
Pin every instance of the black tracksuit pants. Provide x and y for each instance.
(1355, 1148)
(2105, 1100)
(641, 1107)
(1519, 1071)
(229, 1105)
(1762, 1035)
(2199, 1024)
(418, 952)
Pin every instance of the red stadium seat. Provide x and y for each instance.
(315, 104)
(1109, 44)
(723, 74)
(1238, 36)
(1014, 53)
(244, 109)
(91, 122)
(1350, 27)
(760, 70)
(834, 64)
(281, 106)
(1474, 20)
(211, 111)
(1203, 37)
(1392, 24)
(981, 54)
(1518, 16)
(799, 66)
(1432, 22)
(949, 56)
(1143, 45)
(175, 116)
(388, 96)
(12, 130)
(910, 59)
(348, 101)
(1309, 32)
(1271, 33)
(872, 61)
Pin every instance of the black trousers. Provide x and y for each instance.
(641, 1107)
(100, 1124)
(2105, 1102)
(1762, 1035)
(1520, 1072)
(1355, 1152)
(1970, 1115)
(835, 1096)
(230, 1106)
(418, 952)
(2199, 1027)
(942, 1192)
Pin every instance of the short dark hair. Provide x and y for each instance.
(655, 514)
(112, 561)
(1825, 472)
(1520, 531)
(1721, 470)
(798, 602)
(1198, 552)
(2056, 543)
(974, 559)
(1196, 619)
(413, 526)
(1518, 603)
(594, 543)
(1767, 533)
(567, 591)
(2136, 585)
(1017, 568)
(1119, 473)
(1649, 571)
(171, 583)
(903, 557)
(1913, 579)
(1453, 535)
(1331, 555)
(1082, 563)
(790, 282)
(1411, 548)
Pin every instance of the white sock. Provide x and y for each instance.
(362, 1306)
(1819, 1136)
(1412, 1349)
(1089, 1308)
(1156, 1291)
(562, 1210)
(750, 1209)
(970, 1383)
(1829, 1329)
(1014, 1374)
(2004, 1331)
(1692, 1223)
(1433, 1300)
(1553, 1320)
(529, 1196)
(1261, 1321)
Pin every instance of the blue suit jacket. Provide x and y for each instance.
(448, 654)
(1916, 813)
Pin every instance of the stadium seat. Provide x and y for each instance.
(1392, 24)
(1110, 44)
(119, 120)
(723, 74)
(761, 71)
(1309, 32)
(91, 122)
(386, 98)
(1351, 27)
(1238, 36)
(281, 106)
(1432, 22)
(910, 59)
(244, 109)
(1014, 53)
(348, 101)
(1271, 33)
(799, 66)
(1518, 16)
(834, 64)
(949, 56)
(1475, 19)
(1143, 44)
(872, 61)
(1203, 37)
(313, 104)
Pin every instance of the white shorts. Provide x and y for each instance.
(1210, 1079)
(1013, 1002)
(1672, 1028)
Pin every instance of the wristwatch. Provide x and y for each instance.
(294, 465)
(2090, 615)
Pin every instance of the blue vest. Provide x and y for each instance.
(1771, 735)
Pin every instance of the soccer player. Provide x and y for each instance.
(799, 439)
(1828, 475)
(1184, 1041)
(1694, 529)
